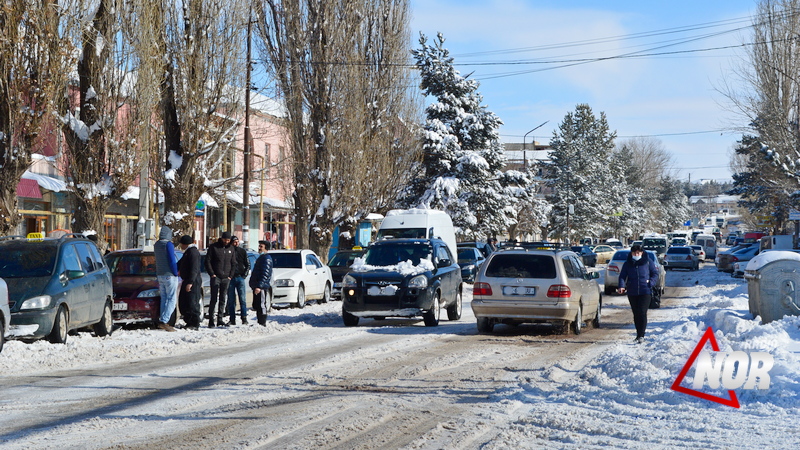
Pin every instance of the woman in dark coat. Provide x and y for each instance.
(636, 278)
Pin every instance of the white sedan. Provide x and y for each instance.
(298, 276)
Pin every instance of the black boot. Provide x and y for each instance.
(211, 323)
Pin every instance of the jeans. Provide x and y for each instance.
(168, 288)
(237, 286)
(639, 305)
(219, 292)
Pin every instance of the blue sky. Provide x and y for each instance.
(665, 96)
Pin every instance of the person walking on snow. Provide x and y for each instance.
(167, 275)
(636, 278)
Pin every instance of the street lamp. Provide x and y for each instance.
(524, 157)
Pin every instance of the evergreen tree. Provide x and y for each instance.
(765, 187)
(581, 175)
(462, 167)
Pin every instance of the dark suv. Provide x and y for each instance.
(55, 286)
(403, 278)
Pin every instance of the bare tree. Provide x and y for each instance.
(33, 69)
(349, 114)
(765, 88)
(194, 51)
(100, 116)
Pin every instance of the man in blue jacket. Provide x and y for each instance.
(167, 275)
(261, 283)
(637, 278)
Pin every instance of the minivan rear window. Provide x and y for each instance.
(521, 266)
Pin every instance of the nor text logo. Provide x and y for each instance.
(732, 370)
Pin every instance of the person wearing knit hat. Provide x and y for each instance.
(220, 265)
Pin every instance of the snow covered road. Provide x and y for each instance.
(306, 381)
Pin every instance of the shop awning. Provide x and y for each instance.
(45, 182)
(28, 188)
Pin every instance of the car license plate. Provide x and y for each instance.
(120, 306)
(519, 290)
(382, 290)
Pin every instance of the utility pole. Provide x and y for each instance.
(248, 144)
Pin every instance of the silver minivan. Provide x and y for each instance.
(709, 244)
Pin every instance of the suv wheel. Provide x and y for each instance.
(485, 325)
(577, 324)
(349, 319)
(60, 325)
(454, 310)
(104, 327)
(431, 317)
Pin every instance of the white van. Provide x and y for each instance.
(419, 224)
(709, 244)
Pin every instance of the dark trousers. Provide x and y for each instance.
(219, 297)
(639, 306)
(262, 304)
(189, 302)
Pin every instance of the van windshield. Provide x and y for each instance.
(402, 233)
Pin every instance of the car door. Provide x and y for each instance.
(449, 276)
(94, 280)
(313, 273)
(77, 286)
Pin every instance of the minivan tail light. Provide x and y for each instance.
(613, 268)
(559, 291)
(481, 289)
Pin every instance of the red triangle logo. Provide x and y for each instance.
(708, 336)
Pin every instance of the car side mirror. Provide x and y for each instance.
(444, 263)
(74, 274)
(595, 275)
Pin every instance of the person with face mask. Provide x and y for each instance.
(636, 278)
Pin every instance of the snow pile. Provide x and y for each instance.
(623, 397)
(405, 268)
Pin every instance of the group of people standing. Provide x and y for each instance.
(227, 265)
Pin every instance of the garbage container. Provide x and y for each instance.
(773, 285)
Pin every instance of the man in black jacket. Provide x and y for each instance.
(220, 261)
(261, 282)
(189, 296)
(240, 271)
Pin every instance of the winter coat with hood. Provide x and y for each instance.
(164, 249)
(638, 277)
(220, 260)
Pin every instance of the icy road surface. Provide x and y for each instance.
(306, 381)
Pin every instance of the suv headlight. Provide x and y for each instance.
(349, 281)
(284, 282)
(40, 302)
(150, 293)
(419, 281)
